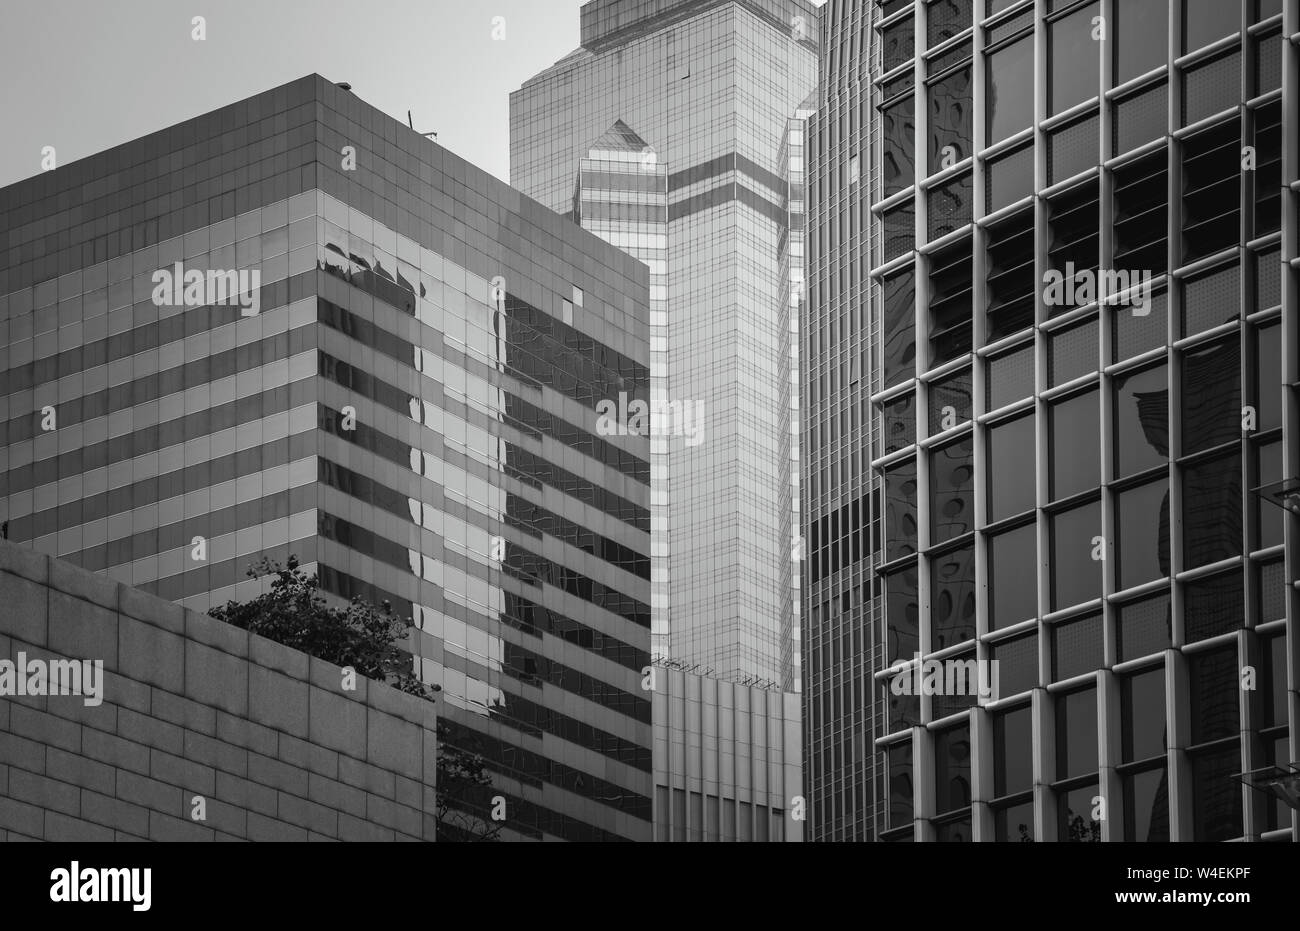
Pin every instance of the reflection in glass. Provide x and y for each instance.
(952, 608)
(1010, 89)
(1142, 697)
(1146, 806)
(1211, 510)
(1141, 421)
(1143, 518)
(951, 491)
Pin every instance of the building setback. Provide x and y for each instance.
(410, 411)
(1062, 240)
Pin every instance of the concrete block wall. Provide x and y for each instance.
(193, 707)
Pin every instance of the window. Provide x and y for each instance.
(1205, 21)
(1011, 377)
(1141, 34)
(902, 612)
(900, 783)
(950, 301)
(950, 401)
(1010, 90)
(952, 606)
(1010, 275)
(1075, 539)
(1013, 574)
(1017, 660)
(899, 343)
(1073, 56)
(1013, 752)
(1141, 202)
(952, 483)
(1141, 421)
(898, 135)
(1011, 468)
(1076, 784)
(1075, 425)
(1215, 749)
(1144, 627)
(1076, 647)
(952, 775)
(1142, 514)
(900, 509)
(1212, 510)
(1211, 190)
(950, 117)
(1076, 733)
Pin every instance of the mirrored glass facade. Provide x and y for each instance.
(706, 91)
(410, 411)
(1100, 511)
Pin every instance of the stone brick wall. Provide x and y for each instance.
(195, 707)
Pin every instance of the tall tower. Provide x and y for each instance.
(707, 88)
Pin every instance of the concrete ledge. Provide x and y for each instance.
(192, 706)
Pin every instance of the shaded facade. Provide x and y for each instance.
(1075, 289)
(410, 411)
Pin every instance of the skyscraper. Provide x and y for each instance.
(1064, 244)
(397, 386)
(707, 89)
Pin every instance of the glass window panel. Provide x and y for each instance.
(1010, 89)
(1076, 575)
(1011, 468)
(901, 614)
(1214, 689)
(952, 769)
(1077, 824)
(900, 783)
(1144, 627)
(1143, 517)
(952, 485)
(952, 607)
(1075, 426)
(1011, 377)
(1076, 647)
(1013, 594)
(900, 509)
(1205, 21)
(1216, 795)
(1142, 697)
(1017, 667)
(1141, 420)
(1146, 806)
(1141, 33)
(950, 117)
(1212, 510)
(1015, 824)
(1013, 752)
(1076, 734)
(1073, 57)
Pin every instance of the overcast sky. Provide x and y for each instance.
(86, 75)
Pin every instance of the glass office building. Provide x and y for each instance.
(409, 409)
(707, 88)
(1061, 240)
